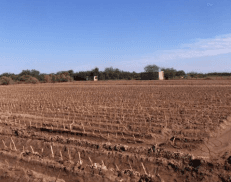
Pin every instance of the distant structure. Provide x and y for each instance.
(161, 75)
(95, 78)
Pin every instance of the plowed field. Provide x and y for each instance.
(116, 131)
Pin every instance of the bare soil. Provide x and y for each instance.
(116, 131)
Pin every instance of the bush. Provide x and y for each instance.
(64, 78)
(28, 79)
(47, 78)
(6, 80)
(41, 78)
(57, 78)
(15, 77)
(149, 76)
(32, 80)
(23, 78)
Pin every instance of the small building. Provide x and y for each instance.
(161, 75)
(95, 78)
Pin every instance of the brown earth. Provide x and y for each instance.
(116, 131)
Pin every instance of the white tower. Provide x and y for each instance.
(161, 75)
(95, 78)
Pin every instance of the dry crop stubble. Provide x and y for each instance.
(156, 126)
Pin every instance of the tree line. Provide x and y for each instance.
(150, 73)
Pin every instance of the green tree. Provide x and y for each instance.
(41, 78)
(71, 73)
(6, 74)
(34, 73)
(24, 72)
(14, 77)
(115, 75)
(108, 70)
(192, 74)
(169, 72)
(180, 73)
(53, 78)
(95, 72)
(151, 68)
(107, 77)
(101, 76)
(121, 75)
(6, 80)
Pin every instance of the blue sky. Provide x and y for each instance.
(57, 35)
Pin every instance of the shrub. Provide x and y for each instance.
(47, 78)
(15, 77)
(41, 78)
(32, 80)
(69, 78)
(63, 78)
(28, 79)
(149, 76)
(53, 78)
(6, 80)
(57, 78)
(23, 78)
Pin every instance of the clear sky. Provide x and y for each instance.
(59, 35)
